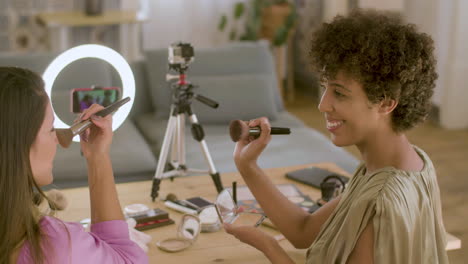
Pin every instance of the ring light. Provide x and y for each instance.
(93, 51)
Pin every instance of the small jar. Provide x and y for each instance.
(94, 7)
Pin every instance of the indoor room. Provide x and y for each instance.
(234, 131)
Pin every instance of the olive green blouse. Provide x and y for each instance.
(404, 208)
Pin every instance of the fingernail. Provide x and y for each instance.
(96, 117)
(84, 137)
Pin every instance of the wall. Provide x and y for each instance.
(189, 21)
(454, 106)
(447, 24)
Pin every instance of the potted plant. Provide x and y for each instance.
(268, 19)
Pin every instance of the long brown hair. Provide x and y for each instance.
(23, 102)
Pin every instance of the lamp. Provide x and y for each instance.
(93, 51)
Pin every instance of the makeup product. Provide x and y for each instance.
(239, 129)
(234, 191)
(148, 219)
(65, 136)
(209, 219)
(173, 198)
(179, 208)
(246, 202)
(187, 234)
(153, 224)
(197, 202)
(135, 209)
(260, 221)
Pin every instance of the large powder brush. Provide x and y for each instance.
(239, 130)
(65, 135)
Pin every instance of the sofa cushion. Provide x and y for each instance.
(304, 145)
(130, 154)
(240, 67)
(243, 96)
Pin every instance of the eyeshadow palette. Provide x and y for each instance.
(247, 203)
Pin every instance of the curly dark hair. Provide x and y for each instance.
(387, 56)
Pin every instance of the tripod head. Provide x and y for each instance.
(180, 56)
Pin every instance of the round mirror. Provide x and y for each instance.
(209, 219)
(228, 211)
(190, 227)
(187, 233)
(226, 206)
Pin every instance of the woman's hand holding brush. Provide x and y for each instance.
(252, 137)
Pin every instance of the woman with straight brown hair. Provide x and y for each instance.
(27, 149)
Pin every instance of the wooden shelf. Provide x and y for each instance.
(60, 25)
(80, 19)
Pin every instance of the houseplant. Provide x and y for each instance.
(269, 19)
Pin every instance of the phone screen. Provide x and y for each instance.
(83, 98)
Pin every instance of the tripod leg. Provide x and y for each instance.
(181, 140)
(163, 156)
(174, 146)
(199, 135)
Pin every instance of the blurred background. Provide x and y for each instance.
(29, 26)
(132, 26)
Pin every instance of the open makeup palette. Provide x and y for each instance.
(246, 201)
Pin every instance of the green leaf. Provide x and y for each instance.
(249, 34)
(232, 35)
(222, 23)
(281, 36)
(239, 10)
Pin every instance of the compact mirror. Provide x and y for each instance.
(187, 233)
(226, 207)
(228, 211)
(209, 219)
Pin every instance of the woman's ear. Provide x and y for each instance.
(386, 106)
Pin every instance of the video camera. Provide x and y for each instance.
(180, 56)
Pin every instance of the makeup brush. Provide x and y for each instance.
(65, 135)
(239, 129)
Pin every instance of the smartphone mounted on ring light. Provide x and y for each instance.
(83, 98)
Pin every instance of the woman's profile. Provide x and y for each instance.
(27, 149)
(378, 75)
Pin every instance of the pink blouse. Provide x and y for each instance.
(108, 242)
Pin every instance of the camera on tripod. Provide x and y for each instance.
(180, 56)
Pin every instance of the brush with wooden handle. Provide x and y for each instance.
(65, 135)
(239, 129)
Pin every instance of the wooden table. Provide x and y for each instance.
(209, 247)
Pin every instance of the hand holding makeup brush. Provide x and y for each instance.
(96, 140)
(248, 148)
(65, 135)
(239, 130)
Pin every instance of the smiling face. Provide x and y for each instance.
(43, 150)
(350, 117)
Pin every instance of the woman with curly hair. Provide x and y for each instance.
(378, 75)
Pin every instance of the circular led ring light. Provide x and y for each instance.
(100, 52)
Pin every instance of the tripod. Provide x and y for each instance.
(175, 132)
